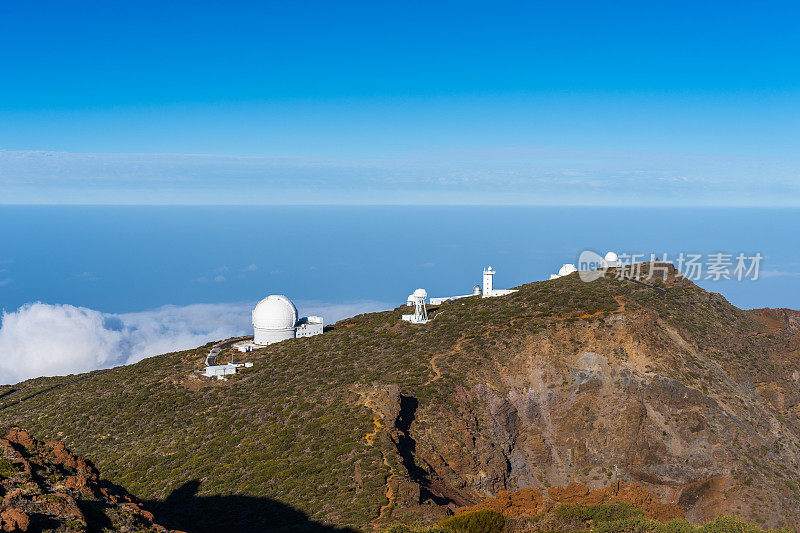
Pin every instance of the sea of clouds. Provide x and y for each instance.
(40, 339)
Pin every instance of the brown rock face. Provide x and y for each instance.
(700, 413)
(44, 485)
(15, 520)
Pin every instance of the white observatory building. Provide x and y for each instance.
(565, 270)
(488, 289)
(275, 319)
(610, 260)
(417, 299)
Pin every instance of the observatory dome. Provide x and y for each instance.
(275, 312)
(421, 293)
(476, 290)
(611, 257)
(567, 269)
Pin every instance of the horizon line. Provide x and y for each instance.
(401, 204)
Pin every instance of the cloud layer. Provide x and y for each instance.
(488, 176)
(41, 339)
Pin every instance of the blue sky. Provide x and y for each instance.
(629, 103)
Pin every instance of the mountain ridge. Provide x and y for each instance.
(378, 420)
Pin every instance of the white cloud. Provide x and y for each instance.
(251, 268)
(6, 281)
(219, 279)
(44, 340)
(465, 176)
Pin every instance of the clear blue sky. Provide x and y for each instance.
(401, 100)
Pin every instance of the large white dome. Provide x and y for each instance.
(611, 257)
(567, 269)
(275, 312)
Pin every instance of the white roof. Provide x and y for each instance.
(568, 268)
(611, 256)
(276, 311)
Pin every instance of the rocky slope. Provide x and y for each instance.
(381, 420)
(45, 487)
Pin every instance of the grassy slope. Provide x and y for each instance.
(291, 429)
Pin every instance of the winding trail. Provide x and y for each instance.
(621, 302)
(437, 373)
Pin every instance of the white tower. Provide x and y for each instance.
(420, 311)
(420, 315)
(488, 274)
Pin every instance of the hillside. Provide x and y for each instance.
(46, 488)
(379, 420)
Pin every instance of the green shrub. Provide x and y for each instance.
(730, 524)
(637, 524)
(679, 526)
(484, 521)
(6, 468)
(402, 528)
(604, 512)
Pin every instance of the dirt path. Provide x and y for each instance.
(370, 437)
(437, 373)
(621, 302)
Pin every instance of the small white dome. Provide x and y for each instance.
(276, 311)
(476, 290)
(611, 256)
(567, 269)
(410, 299)
(421, 293)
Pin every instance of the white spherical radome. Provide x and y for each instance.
(567, 269)
(611, 256)
(275, 312)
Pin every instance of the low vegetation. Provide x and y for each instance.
(292, 429)
(603, 518)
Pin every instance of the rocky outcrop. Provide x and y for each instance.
(692, 419)
(45, 487)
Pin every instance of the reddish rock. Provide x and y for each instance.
(21, 437)
(569, 494)
(10, 496)
(62, 480)
(15, 520)
(63, 456)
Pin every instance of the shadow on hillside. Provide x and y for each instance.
(184, 510)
